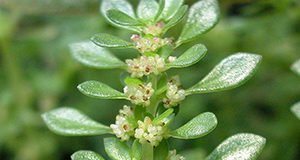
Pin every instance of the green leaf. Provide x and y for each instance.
(190, 57)
(161, 152)
(121, 18)
(92, 55)
(147, 9)
(242, 146)
(170, 9)
(177, 18)
(116, 150)
(203, 16)
(71, 122)
(97, 89)
(296, 67)
(121, 5)
(197, 127)
(296, 109)
(86, 155)
(136, 150)
(110, 41)
(230, 73)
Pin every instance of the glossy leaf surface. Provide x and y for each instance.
(116, 150)
(121, 18)
(110, 41)
(147, 9)
(86, 155)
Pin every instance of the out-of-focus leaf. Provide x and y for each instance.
(296, 67)
(161, 152)
(86, 155)
(121, 5)
(116, 150)
(147, 9)
(189, 57)
(203, 16)
(97, 89)
(197, 127)
(191, 154)
(136, 150)
(170, 9)
(230, 73)
(121, 18)
(110, 41)
(92, 55)
(296, 109)
(177, 18)
(7, 24)
(242, 146)
(71, 122)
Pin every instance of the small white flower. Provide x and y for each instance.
(149, 44)
(172, 59)
(173, 156)
(148, 132)
(139, 94)
(174, 94)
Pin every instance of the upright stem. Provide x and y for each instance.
(147, 151)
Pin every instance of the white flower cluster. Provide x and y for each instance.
(174, 94)
(145, 65)
(148, 132)
(149, 44)
(139, 94)
(122, 128)
(173, 156)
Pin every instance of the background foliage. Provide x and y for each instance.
(37, 74)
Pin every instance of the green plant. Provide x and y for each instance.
(296, 107)
(155, 95)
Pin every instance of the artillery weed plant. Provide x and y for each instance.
(142, 129)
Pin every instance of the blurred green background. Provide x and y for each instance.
(37, 74)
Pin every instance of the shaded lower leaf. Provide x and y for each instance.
(197, 127)
(110, 41)
(242, 146)
(116, 149)
(230, 73)
(71, 122)
(100, 90)
(86, 155)
(92, 55)
(296, 109)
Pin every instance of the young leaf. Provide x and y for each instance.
(177, 18)
(296, 109)
(110, 41)
(203, 16)
(161, 152)
(197, 127)
(190, 57)
(147, 9)
(121, 18)
(296, 67)
(230, 73)
(71, 122)
(86, 155)
(116, 150)
(170, 9)
(136, 150)
(92, 55)
(97, 89)
(121, 5)
(243, 146)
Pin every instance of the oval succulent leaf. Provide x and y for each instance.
(92, 55)
(110, 41)
(121, 18)
(136, 150)
(86, 155)
(296, 67)
(296, 109)
(97, 89)
(189, 57)
(203, 16)
(197, 127)
(230, 73)
(243, 146)
(71, 122)
(161, 152)
(121, 5)
(116, 150)
(170, 9)
(147, 9)
(177, 18)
